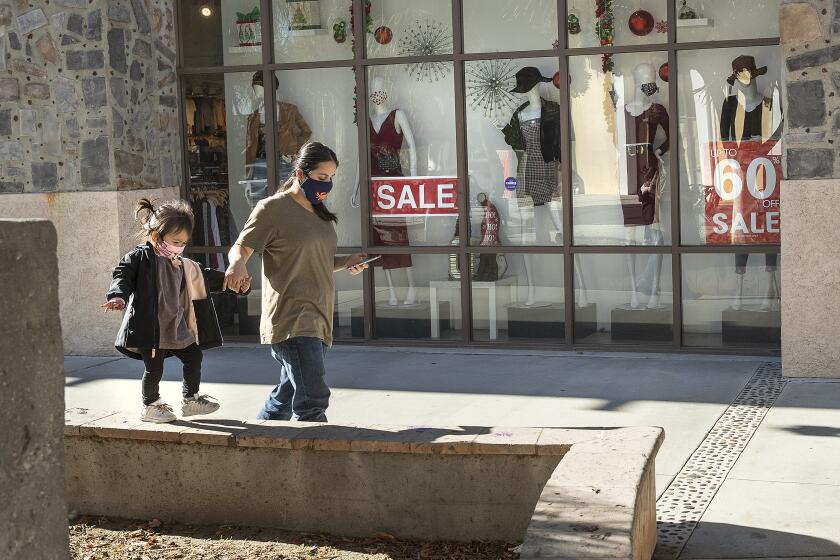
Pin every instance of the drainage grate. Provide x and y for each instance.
(686, 499)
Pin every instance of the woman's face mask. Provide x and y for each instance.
(649, 89)
(316, 191)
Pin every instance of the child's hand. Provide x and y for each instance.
(245, 285)
(116, 304)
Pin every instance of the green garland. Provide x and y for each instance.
(604, 29)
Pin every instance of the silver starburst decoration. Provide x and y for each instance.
(428, 38)
(488, 86)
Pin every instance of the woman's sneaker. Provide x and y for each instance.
(158, 412)
(198, 404)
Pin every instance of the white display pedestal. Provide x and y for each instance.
(435, 285)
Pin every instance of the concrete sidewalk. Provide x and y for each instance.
(780, 499)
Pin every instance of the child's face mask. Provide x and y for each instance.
(169, 251)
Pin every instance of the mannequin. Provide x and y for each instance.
(534, 134)
(389, 132)
(643, 176)
(748, 115)
(292, 133)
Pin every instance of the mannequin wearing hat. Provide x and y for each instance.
(642, 142)
(389, 132)
(533, 133)
(292, 133)
(747, 115)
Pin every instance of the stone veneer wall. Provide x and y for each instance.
(88, 124)
(810, 36)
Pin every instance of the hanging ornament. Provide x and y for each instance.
(573, 24)
(687, 12)
(383, 35)
(340, 31)
(641, 22)
(556, 80)
(604, 31)
(429, 38)
(662, 26)
(488, 87)
(663, 72)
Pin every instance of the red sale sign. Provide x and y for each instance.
(414, 196)
(742, 203)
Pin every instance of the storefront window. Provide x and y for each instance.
(217, 33)
(410, 28)
(501, 25)
(732, 300)
(604, 23)
(621, 150)
(317, 105)
(414, 184)
(717, 20)
(517, 297)
(419, 302)
(312, 30)
(730, 137)
(624, 299)
(514, 133)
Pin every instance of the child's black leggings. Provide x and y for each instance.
(191, 358)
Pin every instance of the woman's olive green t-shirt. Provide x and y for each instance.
(298, 258)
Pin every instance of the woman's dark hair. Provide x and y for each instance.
(169, 217)
(310, 156)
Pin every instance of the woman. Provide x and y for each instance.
(294, 232)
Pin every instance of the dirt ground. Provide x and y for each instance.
(99, 538)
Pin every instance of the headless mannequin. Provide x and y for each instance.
(380, 111)
(642, 101)
(748, 99)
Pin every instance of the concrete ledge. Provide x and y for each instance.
(576, 492)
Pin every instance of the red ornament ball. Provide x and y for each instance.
(556, 80)
(663, 72)
(641, 23)
(383, 35)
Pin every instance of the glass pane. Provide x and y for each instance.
(620, 150)
(410, 28)
(419, 301)
(623, 299)
(216, 137)
(605, 22)
(414, 187)
(716, 20)
(216, 33)
(513, 129)
(348, 319)
(310, 30)
(516, 296)
(731, 300)
(730, 143)
(311, 105)
(501, 25)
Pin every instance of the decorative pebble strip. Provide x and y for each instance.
(685, 501)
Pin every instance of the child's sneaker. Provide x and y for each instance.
(158, 412)
(198, 404)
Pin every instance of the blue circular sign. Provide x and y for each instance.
(511, 183)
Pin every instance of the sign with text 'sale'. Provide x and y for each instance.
(413, 196)
(742, 203)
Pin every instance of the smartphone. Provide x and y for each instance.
(368, 261)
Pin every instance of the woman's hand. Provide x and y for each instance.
(236, 276)
(352, 263)
(116, 304)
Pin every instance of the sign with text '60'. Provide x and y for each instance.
(414, 196)
(742, 206)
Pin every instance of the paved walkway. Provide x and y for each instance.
(780, 499)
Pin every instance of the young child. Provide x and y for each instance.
(161, 292)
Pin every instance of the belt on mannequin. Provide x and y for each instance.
(638, 149)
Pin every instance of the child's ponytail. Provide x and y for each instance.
(143, 212)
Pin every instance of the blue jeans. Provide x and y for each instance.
(302, 393)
